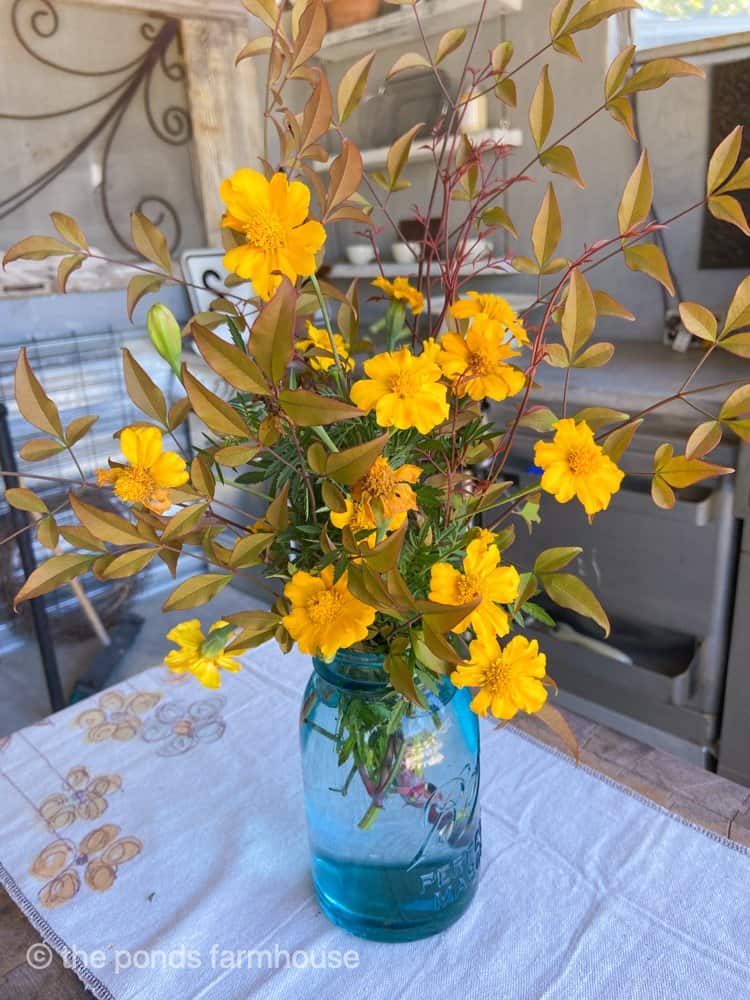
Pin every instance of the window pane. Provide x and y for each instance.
(666, 22)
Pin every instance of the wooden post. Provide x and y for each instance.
(225, 107)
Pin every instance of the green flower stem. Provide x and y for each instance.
(382, 789)
(369, 817)
(339, 371)
(325, 437)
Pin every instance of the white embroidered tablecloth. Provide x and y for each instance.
(155, 836)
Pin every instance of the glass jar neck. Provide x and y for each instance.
(354, 671)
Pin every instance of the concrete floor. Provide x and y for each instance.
(23, 695)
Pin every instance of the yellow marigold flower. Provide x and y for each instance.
(575, 466)
(317, 340)
(399, 290)
(476, 362)
(272, 216)
(482, 577)
(387, 489)
(493, 307)
(405, 391)
(202, 657)
(486, 537)
(431, 349)
(325, 617)
(151, 472)
(509, 679)
(360, 518)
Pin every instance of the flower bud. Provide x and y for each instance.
(165, 334)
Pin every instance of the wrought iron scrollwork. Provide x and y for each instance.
(38, 20)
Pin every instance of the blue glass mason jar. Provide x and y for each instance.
(395, 856)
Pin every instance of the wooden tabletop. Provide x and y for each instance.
(698, 796)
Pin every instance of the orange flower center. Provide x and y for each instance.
(479, 364)
(135, 485)
(324, 607)
(497, 676)
(265, 231)
(467, 589)
(404, 384)
(381, 480)
(582, 460)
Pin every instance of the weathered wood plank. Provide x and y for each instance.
(17, 979)
(225, 109)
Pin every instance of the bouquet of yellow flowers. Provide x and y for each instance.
(389, 523)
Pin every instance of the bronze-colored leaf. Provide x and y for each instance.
(561, 160)
(723, 160)
(558, 724)
(698, 320)
(448, 43)
(201, 476)
(69, 229)
(78, 428)
(234, 455)
(127, 564)
(247, 551)
(568, 591)
(617, 72)
(308, 409)
(398, 154)
(215, 413)
(318, 112)
(277, 514)
(40, 449)
(52, 574)
(728, 209)
(196, 591)
(103, 524)
(353, 85)
(68, 266)
(272, 336)
(607, 306)
(650, 260)
(311, 32)
(547, 228)
(25, 499)
(143, 391)
(407, 61)
(149, 241)
(345, 175)
(228, 361)
(184, 521)
(635, 204)
(617, 442)
(259, 46)
(542, 109)
(47, 532)
(704, 439)
(33, 402)
(579, 314)
(352, 464)
(140, 285)
(36, 248)
(658, 72)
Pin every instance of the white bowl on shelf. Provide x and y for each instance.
(406, 253)
(359, 253)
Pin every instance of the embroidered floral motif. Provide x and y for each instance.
(98, 856)
(178, 728)
(84, 797)
(118, 717)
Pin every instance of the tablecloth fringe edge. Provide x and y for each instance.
(53, 939)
